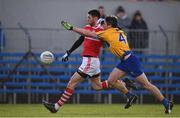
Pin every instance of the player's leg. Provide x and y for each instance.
(133, 65)
(113, 80)
(94, 72)
(98, 85)
(142, 79)
(119, 85)
(75, 79)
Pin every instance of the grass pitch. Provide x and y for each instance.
(87, 110)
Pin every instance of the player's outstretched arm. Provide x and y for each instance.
(64, 58)
(78, 30)
(76, 44)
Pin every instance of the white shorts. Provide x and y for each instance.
(90, 66)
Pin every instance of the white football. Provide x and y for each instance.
(47, 57)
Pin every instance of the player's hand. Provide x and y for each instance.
(65, 56)
(66, 25)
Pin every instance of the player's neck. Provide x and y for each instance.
(92, 25)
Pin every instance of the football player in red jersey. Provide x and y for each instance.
(90, 66)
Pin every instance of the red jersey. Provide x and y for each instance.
(91, 46)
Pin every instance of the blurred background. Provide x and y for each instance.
(152, 27)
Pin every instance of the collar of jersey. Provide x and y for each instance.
(111, 29)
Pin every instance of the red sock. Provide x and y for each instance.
(65, 96)
(105, 84)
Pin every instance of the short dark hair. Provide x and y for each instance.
(94, 13)
(120, 9)
(101, 7)
(111, 20)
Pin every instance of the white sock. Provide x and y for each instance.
(56, 106)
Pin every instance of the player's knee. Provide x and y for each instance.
(97, 88)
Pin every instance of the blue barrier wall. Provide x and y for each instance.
(30, 79)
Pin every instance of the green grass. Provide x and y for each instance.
(87, 110)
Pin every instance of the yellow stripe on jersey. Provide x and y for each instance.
(116, 39)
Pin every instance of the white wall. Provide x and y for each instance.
(1, 9)
(48, 13)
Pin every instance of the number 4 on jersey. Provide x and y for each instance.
(121, 38)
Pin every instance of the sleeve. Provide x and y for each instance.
(86, 27)
(101, 35)
(76, 44)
